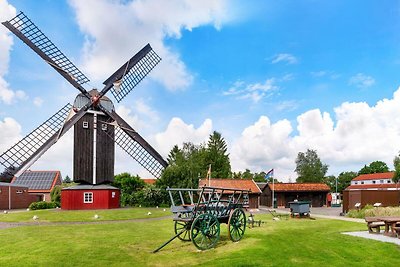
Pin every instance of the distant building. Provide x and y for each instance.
(150, 181)
(39, 182)
(284, 193)
(254, 195)
(15, 196)
(370, 189)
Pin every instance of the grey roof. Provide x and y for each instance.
(36, 180)
(90, 187)
(12, 185)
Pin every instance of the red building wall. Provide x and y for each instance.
(20, 198)
(102, 199)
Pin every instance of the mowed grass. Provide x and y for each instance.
(293, 242)
(58, 215)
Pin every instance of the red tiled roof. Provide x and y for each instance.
(150, 181)
(374, 176)
(232, 183)
(372, 186)
(287, 187)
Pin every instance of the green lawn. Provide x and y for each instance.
(58, 215)
(277, 243)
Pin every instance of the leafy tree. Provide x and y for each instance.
(218, 157)
(344, 180)
(128, 184)
(374, 167)
(67, 179)
(185, 167)
(309, 167)
(396, 163)
(331, 182)
(55, 195)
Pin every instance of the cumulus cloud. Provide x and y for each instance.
(7, 95)
(178, 132)
(355, 135)
(126, 26)
(361, 80)
(252, 91)
(37, 101)
(10, 133)
(284, 58)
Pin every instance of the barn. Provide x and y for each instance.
(254, 196)
(15, 196)
(370, 189)
(88, 197)
(284, 193)
(39, 182)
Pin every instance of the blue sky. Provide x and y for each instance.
(274, 77)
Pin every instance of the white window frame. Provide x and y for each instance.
(104, 127)
(85, 124)
(19, 191)
(87, 197)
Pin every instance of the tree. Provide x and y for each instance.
(374, 167)
(344, 180)
(55, 195)
(396, 163)
(128, 184)
(67, 179)
(218, 157)
(331, 182)
(309, 167)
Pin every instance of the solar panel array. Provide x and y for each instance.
(14, 157)
(138, 153)
(27, 28)
(36, 180)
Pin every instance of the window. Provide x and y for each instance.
(382, 182)
(88, 197)
(374, 182)
(104, 127)
(355, 182)
(388, 181)
(85, 124)
(19, 191)
(362, 182)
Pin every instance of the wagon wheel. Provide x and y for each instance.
(179, 226)
(205, 231)
(237, 224)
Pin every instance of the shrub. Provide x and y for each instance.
(41, 205)
(370, 211)
(55, 195)
(150, 196)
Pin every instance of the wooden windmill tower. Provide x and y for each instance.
(96, 124)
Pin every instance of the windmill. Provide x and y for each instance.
(96, 124)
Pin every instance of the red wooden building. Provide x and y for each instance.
(254, 195)
(87, 197)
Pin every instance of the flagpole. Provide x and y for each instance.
(273, 190)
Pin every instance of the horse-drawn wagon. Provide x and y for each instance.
(198, 214)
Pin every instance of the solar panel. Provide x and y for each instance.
(36, 180)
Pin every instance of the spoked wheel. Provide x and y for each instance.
(237, 224)
(205, 231)
(185, 227)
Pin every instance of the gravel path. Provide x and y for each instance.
(377, 237)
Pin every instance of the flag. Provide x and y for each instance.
(269, 174)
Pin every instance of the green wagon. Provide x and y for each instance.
(198, 214)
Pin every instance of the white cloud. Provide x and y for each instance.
(37, 101)
(361, 80)
(253, 91)
(10, 133)
(7, 95)
(285, 58)
(359, 135)
(125, 27)
(178, 132)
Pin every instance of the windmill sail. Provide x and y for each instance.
(16, 156)
(131, 73)
(30, 34)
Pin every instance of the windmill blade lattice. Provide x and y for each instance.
(28, 32)
(132, 72)
(138, 153)
(18, 154)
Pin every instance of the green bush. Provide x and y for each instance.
(55, 195)
(371, 211)
(42, 205)
(150, 196)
